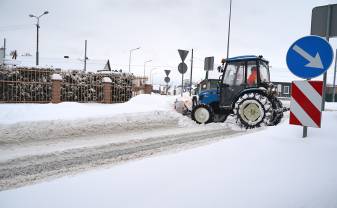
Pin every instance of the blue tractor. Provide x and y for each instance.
(244, 90)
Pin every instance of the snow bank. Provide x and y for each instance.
(329, 106)
(14, 113)
(56, 77)
(271, 168)
(34, 122)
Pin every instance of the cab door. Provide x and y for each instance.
(232, 83)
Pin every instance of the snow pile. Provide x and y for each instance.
(14, 113)
(56, 77)
(33, 122)
(271, 168)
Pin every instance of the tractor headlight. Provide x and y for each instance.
(273, 90)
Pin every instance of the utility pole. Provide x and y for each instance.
(4, 48)
(191, 73)
(85, 55)
(144, 66)
(37, 34)
(229, 27)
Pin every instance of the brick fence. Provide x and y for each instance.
(35, 85)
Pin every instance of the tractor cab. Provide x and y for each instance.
(241, 73)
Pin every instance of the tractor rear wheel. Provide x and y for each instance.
(277, 111)
(252, 110)
(202, 114)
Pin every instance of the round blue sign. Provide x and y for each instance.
(309, 57)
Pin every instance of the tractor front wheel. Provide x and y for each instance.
(203, 114)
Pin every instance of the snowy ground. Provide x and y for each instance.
(40, 142)
(271, 167)
(23, 123)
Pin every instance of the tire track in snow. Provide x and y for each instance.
(32, 169)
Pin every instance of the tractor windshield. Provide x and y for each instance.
(234, 74)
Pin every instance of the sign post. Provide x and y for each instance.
(324, 24)
(191, 73)
(182, 67)
(308, 57)
(334, 79)
(167, 79)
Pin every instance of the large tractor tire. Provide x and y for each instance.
(277, 112)
(253, 110)
(202, 114)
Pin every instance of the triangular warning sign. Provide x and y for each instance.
(182, 54)
(107, 66)
(167, 72)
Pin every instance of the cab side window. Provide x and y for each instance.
(251, 73)
(264, 72)
(229, 75)
(240, 74)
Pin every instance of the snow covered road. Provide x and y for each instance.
(28, 169)
(39, 142)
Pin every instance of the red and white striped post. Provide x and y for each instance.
(306, 101)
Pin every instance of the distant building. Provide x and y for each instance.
(283, 89)
(282, 79)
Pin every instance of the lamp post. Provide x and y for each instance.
(151, 78)
(130, 57)
(144, 65)
(229, 26)
(37, 33)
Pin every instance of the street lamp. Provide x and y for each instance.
(151, 77)
(37, 34)
(144, 65)
(229, 26)
(130, 57)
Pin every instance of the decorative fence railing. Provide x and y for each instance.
(36, 86)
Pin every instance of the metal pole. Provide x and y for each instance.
(144, 66)
(85, 55)
(166, 88)
(37, 34)
(229, 26)
(327, 34)
(334, 79)
(129, 60)
(191, 73)
(4, 48)
(144, 69)
(305, 131)
(182, 84)
(37, 42)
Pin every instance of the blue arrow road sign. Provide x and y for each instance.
(309, 57)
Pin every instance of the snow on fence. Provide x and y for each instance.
(35, 85)
(88, 87)
(25, 85)
(81, 87)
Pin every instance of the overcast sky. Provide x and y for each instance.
(159, 27)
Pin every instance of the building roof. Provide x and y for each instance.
(62, 63)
